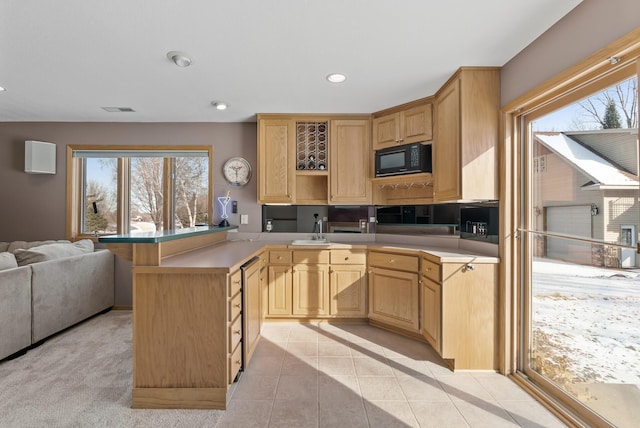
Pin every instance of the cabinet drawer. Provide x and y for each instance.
(235, 333)
(235, 283)
(280, 257)
(394, 261)
(431, 270)
(311, 257)
(235, 304)
(235, 362)
(348, 257)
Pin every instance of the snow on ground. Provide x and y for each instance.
(586, 323)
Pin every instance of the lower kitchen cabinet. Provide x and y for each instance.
(393, 298)
(460, 312)
(252, 310)
(310, 290)
(348, 290)
(280, 289)
(431, 312)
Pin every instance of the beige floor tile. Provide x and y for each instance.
(531, 414)
(464, 387)
(246, 414)
(372, 367)
(265, 365)
(408, 367)
(437, 414)
(332, 349)
(366, 350)
(290, 414)
(485, 414)
(303, 335)
(254, 387)
(339, 390)
(341, 366)
(347, 415)
(422, 388)
(501, 387)
(299, 366)
(380, 388)
(267, 348)
(303, 349)
(438, 368)
(300, 388)
(389, 414)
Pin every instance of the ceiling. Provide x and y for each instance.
(65, 60)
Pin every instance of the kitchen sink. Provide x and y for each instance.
(310, 242)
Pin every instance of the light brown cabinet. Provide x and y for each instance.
(459, 312)
(394, 290)
(280, 282)
(349, 161)
(406, 124)
(310, 290)
(295, 166)
(252, 310)
(276, 161)
(348, 283)
(465, 146)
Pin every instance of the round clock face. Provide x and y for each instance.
(237, 171)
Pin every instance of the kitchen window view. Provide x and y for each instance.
(582, 273)
(156, 183)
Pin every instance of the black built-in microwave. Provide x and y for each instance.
(406, 159)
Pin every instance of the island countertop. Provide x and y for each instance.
(162, 235)
(230, 255)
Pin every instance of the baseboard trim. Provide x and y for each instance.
(179, 398)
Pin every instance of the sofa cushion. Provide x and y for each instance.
(7, 261)
(4, 246)
(55, 251)
(25, 245)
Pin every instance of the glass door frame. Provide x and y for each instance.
(580, 81)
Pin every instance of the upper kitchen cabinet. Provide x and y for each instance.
(314, 159)
(404, 124)
(349, 162)
(465, 147)
(276, 161)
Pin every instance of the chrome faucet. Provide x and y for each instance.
(317, 228)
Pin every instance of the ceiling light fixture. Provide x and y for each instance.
(2, 89)
(614, 60)
(220, 105)
(180, 59)
(336, 77)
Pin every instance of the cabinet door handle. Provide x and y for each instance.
(237, 305)
(392, 261)
(346, 258)
(279, 257)
(238, 332)
(427, 269)
(238, 362)
(237, 281)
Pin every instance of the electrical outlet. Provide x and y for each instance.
(244, 218)
(372, 219)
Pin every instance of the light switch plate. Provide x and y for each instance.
(372, 219)
(244, 218)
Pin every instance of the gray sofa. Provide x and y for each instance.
(51, 285)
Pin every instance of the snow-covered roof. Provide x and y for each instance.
(602, 172)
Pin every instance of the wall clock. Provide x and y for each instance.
(237, 171)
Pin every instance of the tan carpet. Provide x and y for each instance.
(82, 378)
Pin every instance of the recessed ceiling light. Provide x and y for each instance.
(118, 109)
(614, 60)
(220, 105)
(180, 59)
(336, 77)
(2, 89)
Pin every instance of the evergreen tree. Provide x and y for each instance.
(611, 119)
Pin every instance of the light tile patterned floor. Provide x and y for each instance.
(355, 375)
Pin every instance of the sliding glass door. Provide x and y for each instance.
(580, 282)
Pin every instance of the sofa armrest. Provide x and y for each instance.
(15, 310)
(68, 290)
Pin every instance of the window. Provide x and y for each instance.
(125, 189)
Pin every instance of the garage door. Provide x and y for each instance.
(576, 221)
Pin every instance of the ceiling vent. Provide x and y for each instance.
(118, 109)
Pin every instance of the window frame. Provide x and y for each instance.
(76, 182)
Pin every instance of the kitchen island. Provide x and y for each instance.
(195, 322)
